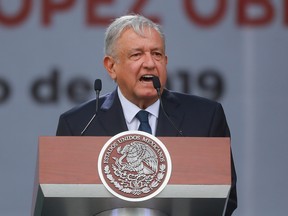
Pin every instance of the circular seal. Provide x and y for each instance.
(134, 166)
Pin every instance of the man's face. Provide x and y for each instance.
(138, 59)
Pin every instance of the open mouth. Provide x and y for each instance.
(147, 78)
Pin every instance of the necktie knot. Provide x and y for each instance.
(142, 116)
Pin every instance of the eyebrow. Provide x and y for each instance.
(140, 49)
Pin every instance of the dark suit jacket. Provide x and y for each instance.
(194, 116)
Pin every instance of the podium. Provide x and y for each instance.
(67, 182)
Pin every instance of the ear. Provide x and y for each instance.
(109, 64)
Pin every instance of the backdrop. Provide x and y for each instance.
(232, 51)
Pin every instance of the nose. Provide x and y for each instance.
(148, 62)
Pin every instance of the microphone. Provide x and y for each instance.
(157, 86)
(97, 88)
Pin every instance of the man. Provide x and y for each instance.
(134, 54)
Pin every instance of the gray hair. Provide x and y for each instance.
(119, 25)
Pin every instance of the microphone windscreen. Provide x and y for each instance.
(98, 85)
(156, 82)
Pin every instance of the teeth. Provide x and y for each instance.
(148, 76)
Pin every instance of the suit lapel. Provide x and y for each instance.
(110, 119)
(172, 107)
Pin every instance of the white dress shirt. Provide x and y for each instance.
(130, 110)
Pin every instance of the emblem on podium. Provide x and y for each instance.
(134, 166)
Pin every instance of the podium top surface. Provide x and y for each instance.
(195, 161)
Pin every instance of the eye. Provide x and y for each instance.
(157, 55)
(136, 55)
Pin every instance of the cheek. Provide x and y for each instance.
(163, 75)
(119, 71)
(163, 80)
(113, 75)
(125, 74)
(135, 66)
(162, 69)
(131, 71)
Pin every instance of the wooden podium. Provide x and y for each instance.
(67, 181)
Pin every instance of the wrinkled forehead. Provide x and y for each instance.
(143, 31)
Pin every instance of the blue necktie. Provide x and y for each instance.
(142, 116)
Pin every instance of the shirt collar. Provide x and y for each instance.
(131, 109)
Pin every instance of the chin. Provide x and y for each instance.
(150, 96)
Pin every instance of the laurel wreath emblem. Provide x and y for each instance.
(135, 184)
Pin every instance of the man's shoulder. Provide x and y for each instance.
(86, 107)
(188, 99)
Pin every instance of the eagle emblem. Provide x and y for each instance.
(134, 167)
(137, 157)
